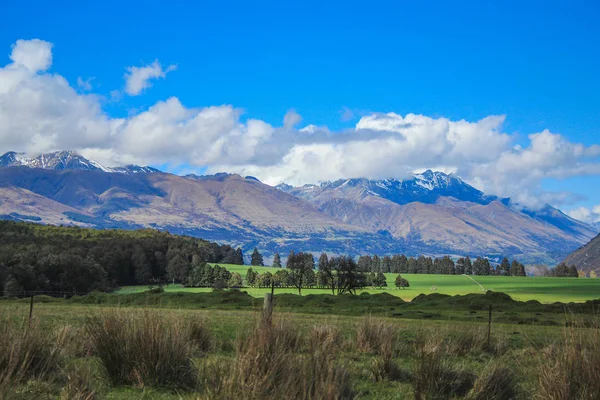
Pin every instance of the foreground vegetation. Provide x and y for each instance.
(74, 351)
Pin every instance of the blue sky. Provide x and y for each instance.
(536, 62)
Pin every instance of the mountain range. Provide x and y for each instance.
(433, 213)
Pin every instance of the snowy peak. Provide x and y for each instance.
(426, 187)
(65, 160)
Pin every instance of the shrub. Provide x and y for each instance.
(147, 351)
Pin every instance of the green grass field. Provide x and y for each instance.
(544, 290)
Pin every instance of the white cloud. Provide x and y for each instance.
(138, 78)
(35, 55)
(41, 112)
(589, 215)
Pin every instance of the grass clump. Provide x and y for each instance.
(150, 350)
(375, 336)
(434, 377)
(78, 384)
(268, 365)
(27, 352)
(571, 368)
(495, 383)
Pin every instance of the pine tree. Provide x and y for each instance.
(468, 266)
(573, 273)
(505, 267)
(277, 261)
(257, 258)
(380, 280)
(251, 277)
(239, 257)
(561, 270)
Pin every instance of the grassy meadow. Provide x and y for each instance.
(544, 290)
(100, 352)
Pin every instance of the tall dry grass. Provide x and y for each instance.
(570, 369)
(435, 376)
(26, 352)
(269, 365)
(148, 349)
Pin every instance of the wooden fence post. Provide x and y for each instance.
(268, 308)
(489, 336)
(30, 309)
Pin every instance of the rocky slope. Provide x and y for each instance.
(586, 258)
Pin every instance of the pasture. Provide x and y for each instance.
(544, 290)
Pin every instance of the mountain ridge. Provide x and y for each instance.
(432, 213)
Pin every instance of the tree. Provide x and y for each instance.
(298, 264)
(239, 257)
(468, 266)
(380, 280)
(141, 266)
(276, 261)
(505, 266)
(348, 277)
(561, 270)
(178, 269)
(460, 266)
(257, 258)
(323, 260)
(235, 281)
(573, 273)
(327, 274)
(401, 282)
(251, 277)
(265, 279)
(281, 278)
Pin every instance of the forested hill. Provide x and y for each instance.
(36, 257)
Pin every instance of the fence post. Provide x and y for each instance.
(268, 308)
(489, 336)
(30, 309)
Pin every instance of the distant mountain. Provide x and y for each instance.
(446, 215)
(586, 258)
(433, 213)
(65, 160)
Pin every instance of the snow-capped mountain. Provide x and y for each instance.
(431, 213)
(426, 187)
(65, 160)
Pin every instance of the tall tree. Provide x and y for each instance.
(277, 261)
(239, 257)
(298, 264)
(468, 266)
(257, 258)
(505, 266)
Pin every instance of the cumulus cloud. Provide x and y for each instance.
(138, 78)
(41, 112)
(589, 215)
(34, 55)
